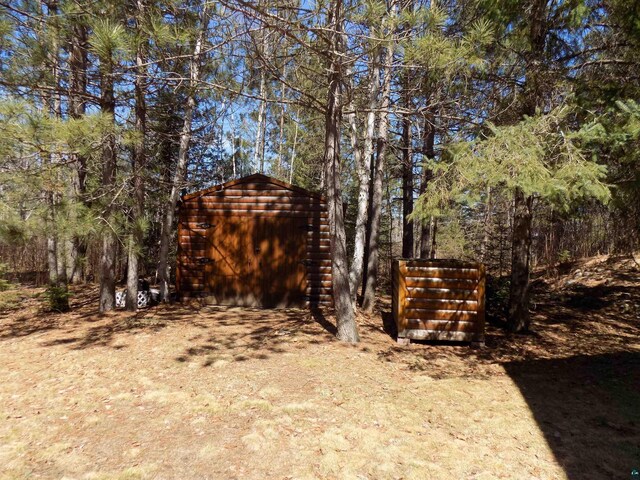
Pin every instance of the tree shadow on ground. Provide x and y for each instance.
(241, 334)
(226, 332)
(319, 316)
(584, 396)
(84, 326)
(588, 408)
(589, 299)
(23, 325)
(105, 332)
(578, 370)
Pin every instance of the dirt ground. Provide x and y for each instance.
(191, 392)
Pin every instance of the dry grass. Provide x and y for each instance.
(188, 392)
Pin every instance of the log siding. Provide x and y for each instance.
(438, 300)
(255, 241)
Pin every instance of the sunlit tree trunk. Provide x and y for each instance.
(428, 154)
(52, 247)
(369, 294)
(258, 155)
(138, 167)
(258, 152)
(407, 189)
(56, 241)
(519, 319)
(181, 167)
(486, 228)
(78, 62)
(109, 156)
(345, 313)
(52, 258)
(280, 170)
(407, 152)
(363, 170)
(293, 150)
(433, 235)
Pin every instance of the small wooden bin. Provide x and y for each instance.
(439, 300)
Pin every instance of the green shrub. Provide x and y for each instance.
(497, 297)
(58, 298)
(564, 256)
(4, 283)
(9, 300)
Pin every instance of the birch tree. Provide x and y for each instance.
(362, 161)
(370, 282)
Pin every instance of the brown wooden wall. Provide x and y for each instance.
(439, 299)
(255, 241)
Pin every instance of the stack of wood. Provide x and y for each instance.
(439, 300)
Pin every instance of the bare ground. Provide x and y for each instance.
(182, 392)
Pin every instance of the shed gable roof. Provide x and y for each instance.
(255, 178)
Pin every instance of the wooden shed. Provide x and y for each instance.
(438, 300)
(255, 241)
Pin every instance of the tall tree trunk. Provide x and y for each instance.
(181, 168)
(293, 150)
(345, 313)
(369, 290)
(109, 157)
(407, 188)
(367, 242)
(258, 154)
(520, 256)
(56, 111)
(280, 170)
(407, 152)
(428, 152)
(484, 249)
(78, 61)
(47, 103)
(52, 257)
(363, 169)
(52, 244)
(138, 168)
(56, 242)
(369, 294)
(433, 234)
(522, 214)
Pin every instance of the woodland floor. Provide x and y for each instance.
(184, 392)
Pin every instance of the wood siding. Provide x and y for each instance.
(254, 242)
(439, 299)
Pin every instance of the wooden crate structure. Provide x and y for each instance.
(255, 241)
(439, 300)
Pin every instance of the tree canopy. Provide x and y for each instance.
(503, 131)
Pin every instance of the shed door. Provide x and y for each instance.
(258, 261)
(232, 276)
(280, 253)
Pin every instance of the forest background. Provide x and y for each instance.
(501, 131)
